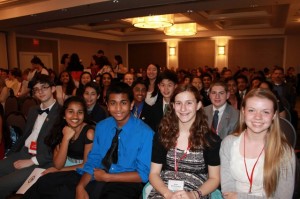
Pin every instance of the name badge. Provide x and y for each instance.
(32, 148)
(175, 185)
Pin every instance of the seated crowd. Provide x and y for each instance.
(108, 132)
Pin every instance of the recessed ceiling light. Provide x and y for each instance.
(115, 1)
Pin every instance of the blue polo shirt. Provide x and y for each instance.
(135, 147)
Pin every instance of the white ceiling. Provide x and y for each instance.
(104, 19)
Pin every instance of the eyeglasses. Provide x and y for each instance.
(37, 90)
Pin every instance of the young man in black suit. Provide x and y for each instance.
(167, 82)
(30, 150)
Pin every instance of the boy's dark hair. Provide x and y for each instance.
(169, 75)
(140, 81)
(244, 77)
(119, 88)
(42, 79)
(93, 85)
(206, 75)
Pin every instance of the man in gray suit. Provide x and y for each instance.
(30, 150)
(222, 117)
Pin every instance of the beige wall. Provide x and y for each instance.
(3, 51)
(86, 48)
(292, 53)
(250, 52)
(256, 53)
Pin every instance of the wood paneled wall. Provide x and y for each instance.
(256, 53)
(192, 54)
(142, 54)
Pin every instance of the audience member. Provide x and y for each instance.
(206, 79)
(197, 83)
(233, 99)
(64, 61)
(65, 87)
(30, 151)
(12, 82)
(128, 78)
(71, 141)
(140, 108)
(281, 110)
(85, 78)
(95, 113)
(119, 69)
(242, 84)
(167, 82)
(257, 161)
(152, 74)
(106, 81)
(286, 91)
(185, 155)
(222, 117)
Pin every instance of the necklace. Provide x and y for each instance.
(250, 177)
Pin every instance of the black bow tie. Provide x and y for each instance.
(40, 111)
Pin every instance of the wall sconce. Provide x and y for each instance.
(172, 51)
(221, 50)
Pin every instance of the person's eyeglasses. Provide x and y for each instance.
(37, 90)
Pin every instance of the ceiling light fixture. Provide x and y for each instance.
(155, 21)
(183, 29)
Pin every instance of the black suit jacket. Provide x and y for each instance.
(205, 98)
(146, 114)
(97, 114)
(44, 153)
(156, 113)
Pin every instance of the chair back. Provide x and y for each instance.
(15, 123)
(28, 102)
(289, 131)
(11, 105)
(288, 114)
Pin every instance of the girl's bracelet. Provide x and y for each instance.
(199, 193)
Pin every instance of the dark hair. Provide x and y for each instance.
(56, 133)
(206, 75)
(15, 72)
(93, 85)
(37, 60)
(74, 64)
(63, 58)
(119, 60)
(230, 79)
(169, 75)
(106, 73)
(120, 88)
(270, 85)
(42, 79)
(169, 126)
(155, 91)
(103, 61)
(80, 89)
(140, 81)
(100, 52)
(70, 86)
(241, 76)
